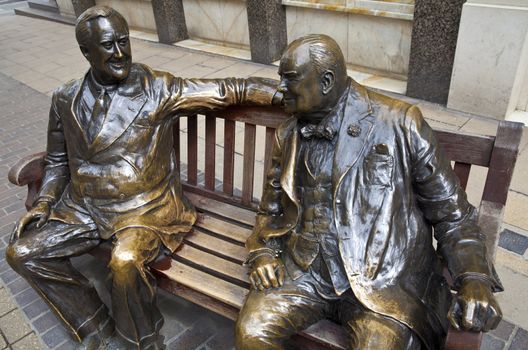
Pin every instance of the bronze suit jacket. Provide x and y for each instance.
(127, 176)
(391, 187)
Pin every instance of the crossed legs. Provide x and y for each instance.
(42, 257)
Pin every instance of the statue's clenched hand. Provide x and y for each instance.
(268, 271)
(475, 307)
(39, 212)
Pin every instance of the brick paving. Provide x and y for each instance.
(37, 56)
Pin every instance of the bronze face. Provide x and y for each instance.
(108, 49)
(300, 82)
(311, 87)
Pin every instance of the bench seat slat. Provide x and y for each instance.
(202, 282)
(213, 264)
(223, 228)
(216, 246)
(244, 216)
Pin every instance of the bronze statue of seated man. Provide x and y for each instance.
(345, 227)
(110, 175)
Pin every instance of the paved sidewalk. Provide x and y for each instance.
(37, 56)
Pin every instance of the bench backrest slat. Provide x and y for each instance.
(462, 171)
(502, 162)
(250, 134)
(229, 157)
(470, 149)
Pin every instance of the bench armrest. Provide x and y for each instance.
(28, 171)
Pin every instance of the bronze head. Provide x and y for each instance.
(102, 34)
(313, 76)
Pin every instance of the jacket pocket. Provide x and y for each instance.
(303, 250)
(379, 169)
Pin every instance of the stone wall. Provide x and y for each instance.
(222, 22)
(138, 13)
(372, 42)
(490, 74)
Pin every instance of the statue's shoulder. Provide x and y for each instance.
(157, 79)
(387, 107)
(67, 91)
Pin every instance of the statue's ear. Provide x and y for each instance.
(327, 81)
(85, 52)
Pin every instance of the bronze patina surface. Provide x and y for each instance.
(345, 227)
(110, 175)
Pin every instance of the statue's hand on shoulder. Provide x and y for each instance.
(39, 212)
(267, 271)
(475, 308)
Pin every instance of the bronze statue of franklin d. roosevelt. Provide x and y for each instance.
(356, 187)
(110, 175)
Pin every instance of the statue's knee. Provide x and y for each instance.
(123, 263)
(249, 335)
(16, 256)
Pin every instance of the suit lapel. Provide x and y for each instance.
(74, 109)
(124, 108)
(288, 175)
(355, 131)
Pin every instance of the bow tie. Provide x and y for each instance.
(318, 131)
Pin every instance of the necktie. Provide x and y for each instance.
(98, 115)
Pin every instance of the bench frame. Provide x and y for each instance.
(226, 216)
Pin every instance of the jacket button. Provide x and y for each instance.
(121, 195)
(338, 201)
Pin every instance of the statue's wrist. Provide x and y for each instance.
(473, 277)
(44, 200)
(260, 254)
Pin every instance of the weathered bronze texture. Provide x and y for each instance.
(110, 175)
(356, 187)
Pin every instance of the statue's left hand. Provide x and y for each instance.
(475, 308)
(40, 212)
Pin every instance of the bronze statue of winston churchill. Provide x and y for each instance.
(356, 187)
(110, 175)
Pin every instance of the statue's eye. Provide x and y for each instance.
(123, 41)
(107, 45)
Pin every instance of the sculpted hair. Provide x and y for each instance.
(325, 53)
(82, 26)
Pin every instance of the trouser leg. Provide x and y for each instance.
(371, 331)
(42, 257)
(268, 318)
(137, 317)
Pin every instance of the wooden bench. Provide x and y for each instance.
(208, 269)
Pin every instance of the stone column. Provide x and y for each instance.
(433, 45)
(267, 30)
(490, 73)
(79, 6)
(170, 20)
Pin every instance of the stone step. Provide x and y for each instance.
(44, 5)
(5, 2)
(47, 15)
